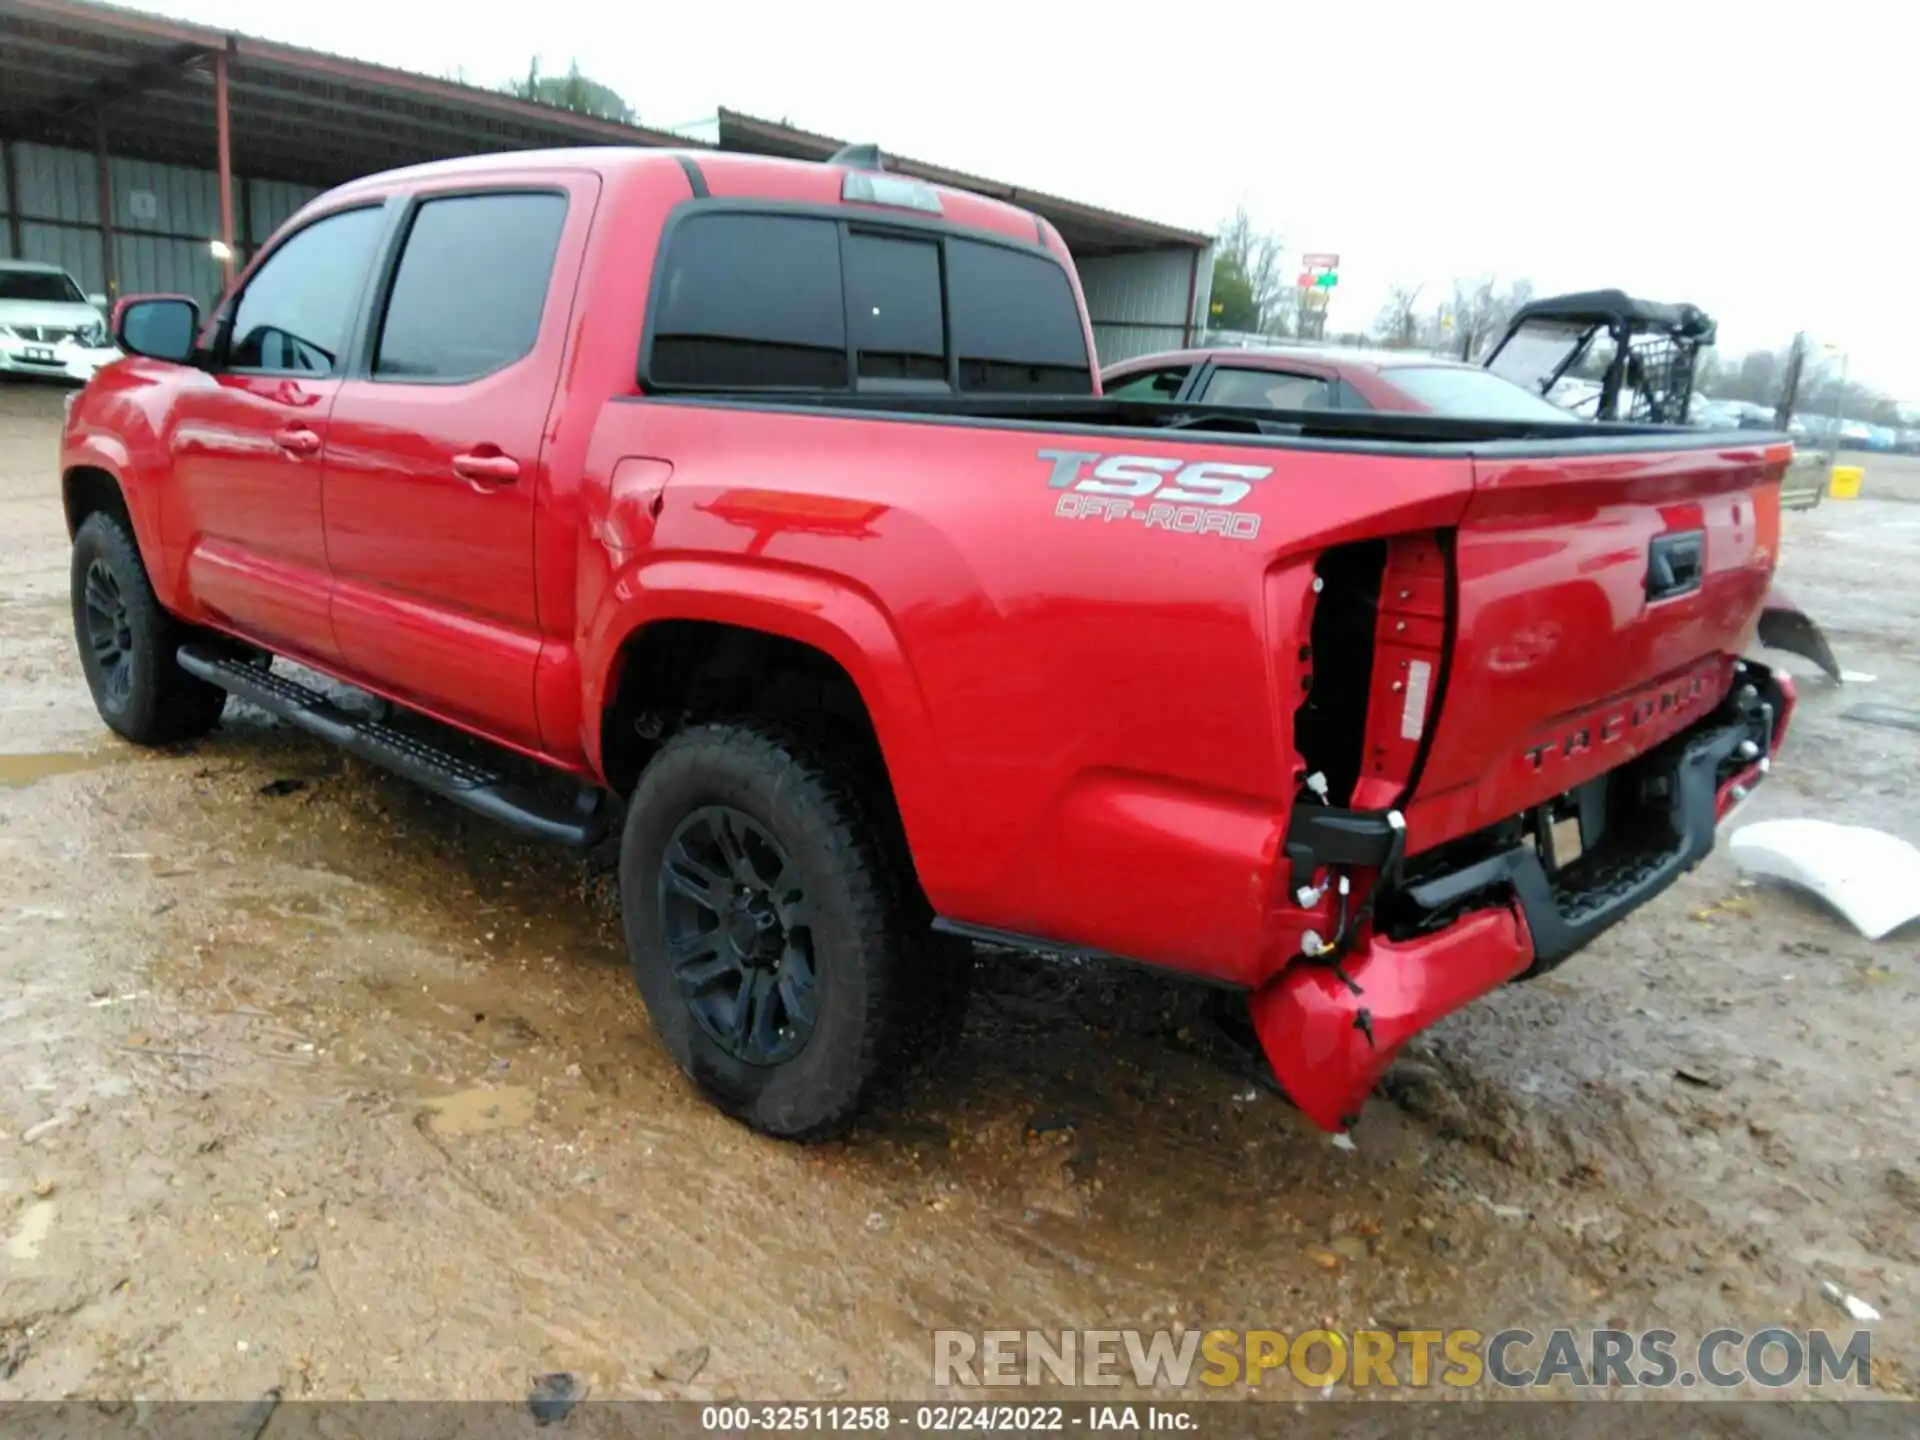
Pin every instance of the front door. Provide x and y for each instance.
(248, 438)
(434, 470)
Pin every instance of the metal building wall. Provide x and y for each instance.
(164, 217)
(269, 205)
(59, 211)
(1139, 302)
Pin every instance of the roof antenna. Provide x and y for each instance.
(859, 157)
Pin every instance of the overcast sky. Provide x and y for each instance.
(1757, 162)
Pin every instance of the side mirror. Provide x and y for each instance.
(161, 327)
(98, 302)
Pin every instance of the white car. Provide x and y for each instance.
(48, 326)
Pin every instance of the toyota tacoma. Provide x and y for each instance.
(770, 513)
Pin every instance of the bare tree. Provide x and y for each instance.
(1399, 321)
(1256, 255)
(1481, 309)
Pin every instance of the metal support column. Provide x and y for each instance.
(10, 182)
(1193, 300)
(244, 252)
(109, 265)
(224, 140)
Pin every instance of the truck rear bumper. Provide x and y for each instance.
(1490, 911)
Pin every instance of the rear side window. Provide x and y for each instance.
(751, 302)
(295, 313)
(1147, 385)
(1274, 389)
(471, 286)
(1015, 322)
(746, 301)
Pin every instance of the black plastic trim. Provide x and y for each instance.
(1375, 432)
(1014, 940)
(581, 824)
(1320, 835)
(696, 181)
(1694, 762)
(1676, 563)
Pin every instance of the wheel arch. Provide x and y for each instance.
(794, 647)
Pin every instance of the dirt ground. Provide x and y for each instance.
(309, 1082)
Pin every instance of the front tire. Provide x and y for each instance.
(127, 642)
(772, 929)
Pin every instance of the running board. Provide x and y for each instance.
(485, 792)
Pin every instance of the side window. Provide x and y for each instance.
(1149, 384)
(1345, 397)
(1015, 324)
(1275, 389)
(894, 310)
(471, 286)
(296, 311)
(751, 301)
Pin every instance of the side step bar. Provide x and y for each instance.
(580, 824)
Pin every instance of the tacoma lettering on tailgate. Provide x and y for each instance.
(1672, 699)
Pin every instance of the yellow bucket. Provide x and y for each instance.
(1845, 484)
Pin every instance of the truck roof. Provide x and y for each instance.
(723, 173)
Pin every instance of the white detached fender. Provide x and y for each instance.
(1869, 876)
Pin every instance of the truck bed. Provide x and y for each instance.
(1083, 663)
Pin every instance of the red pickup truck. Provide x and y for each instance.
(778, 501)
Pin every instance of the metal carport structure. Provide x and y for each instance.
(130, 142)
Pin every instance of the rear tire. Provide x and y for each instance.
(775, 935)
(127, 642)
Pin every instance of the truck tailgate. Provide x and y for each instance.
(1600, 601)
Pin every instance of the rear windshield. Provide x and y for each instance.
(41, 285)
(1470, 394)
(782, 302)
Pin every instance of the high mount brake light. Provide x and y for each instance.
(866, 188)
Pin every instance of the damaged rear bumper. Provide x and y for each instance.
(1451, 926)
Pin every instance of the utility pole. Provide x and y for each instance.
(1839, 405)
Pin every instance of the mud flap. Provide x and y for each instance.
(1330, 1034)
(1784, 626)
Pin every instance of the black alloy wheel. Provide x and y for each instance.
(109, 632)
(739, 935)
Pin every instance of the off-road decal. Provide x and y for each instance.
(1179, 496)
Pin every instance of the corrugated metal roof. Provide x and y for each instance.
(297, 114)
(1087, 229)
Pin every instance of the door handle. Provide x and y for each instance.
(487, 469)
(298, 440)
(1675, 564)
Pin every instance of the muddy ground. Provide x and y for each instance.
(309, 1082)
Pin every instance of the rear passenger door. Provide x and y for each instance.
(436, 464)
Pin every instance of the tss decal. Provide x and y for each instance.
(1188, 497)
